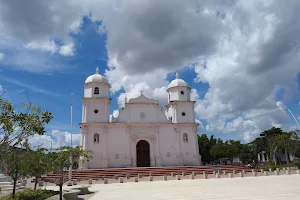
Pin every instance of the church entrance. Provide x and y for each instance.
(142, 154)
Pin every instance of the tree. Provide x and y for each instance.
(284, 143)
(13, 162)
(37, 164)
(18, 125)
(61, 159)
(246, 153)
(219, 150)
(266, 140)
(205, 145)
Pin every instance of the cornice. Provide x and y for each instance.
(155, 125)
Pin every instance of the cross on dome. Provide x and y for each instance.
(97, 70)
(141, 91)
(177, 75)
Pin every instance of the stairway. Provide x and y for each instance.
(86, 174)
(6, 184)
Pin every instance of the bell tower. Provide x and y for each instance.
(180, 108)
(96, 101)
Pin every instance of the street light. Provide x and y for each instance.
(71, 163)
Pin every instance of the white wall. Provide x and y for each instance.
(89, 90)
(90, 105)
(132, 113)
(120, 147)
(175, 94)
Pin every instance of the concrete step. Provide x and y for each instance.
(5, 183)
(11, 188)
(146, 171)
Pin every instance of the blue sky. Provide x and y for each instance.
(242, 84)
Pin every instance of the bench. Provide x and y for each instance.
(83, 189)
(71, 194)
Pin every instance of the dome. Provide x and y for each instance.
(178, 83)
(96, 78)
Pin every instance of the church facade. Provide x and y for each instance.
(143, 135)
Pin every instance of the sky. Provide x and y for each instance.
(242, 59)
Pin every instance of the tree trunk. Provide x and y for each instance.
(35, 182)
(14, 188)
(61, 183)
(60, 191)
(286, 157)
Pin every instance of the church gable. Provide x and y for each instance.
(141, 113)
(141, 99)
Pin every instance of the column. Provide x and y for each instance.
(179, 156)
(128, 133)
(105, 147)
(133, 147)
(263, 157)
(158, 156)
(197, 146)
(152, 150)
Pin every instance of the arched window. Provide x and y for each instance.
(96, 138)
(185, 137)
(96, 90)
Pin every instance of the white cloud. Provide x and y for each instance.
(43, 45)
(2, 56)
(67, 50)
(281, 105)
(51, 46)
(56, 137)
(1, 88)
(250, 49)
(294, 128)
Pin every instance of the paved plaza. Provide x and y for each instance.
(281, 187)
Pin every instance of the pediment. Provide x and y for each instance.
(141, 99)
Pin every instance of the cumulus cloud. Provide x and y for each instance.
(55, 138)
(43, 45)
(281, 105)
(244, 50)
(67, 50)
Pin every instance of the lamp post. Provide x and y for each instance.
(71, 163)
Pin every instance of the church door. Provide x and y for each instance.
(142, 154)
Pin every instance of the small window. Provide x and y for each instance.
(95, 111)
(96, 138)
(183, 113)
(182, 92)
(185, 137)
(96, 90)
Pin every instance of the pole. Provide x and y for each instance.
(71, 163)
(72, 117)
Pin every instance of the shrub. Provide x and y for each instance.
(30, 194)
(273, 167)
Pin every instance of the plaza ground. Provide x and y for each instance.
(270, 187)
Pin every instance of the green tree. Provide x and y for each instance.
(61, 159)
(13, 162)
(268, 138)
(205, 145)
(233, 148)
(246, 153)
(219, 150)
(18, 125)
(284, 143)
(38, 164)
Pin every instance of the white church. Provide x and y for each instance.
(143, 135)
